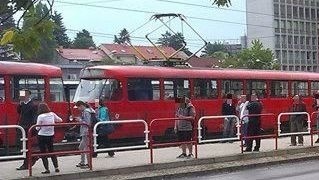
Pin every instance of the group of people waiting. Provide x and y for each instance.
(32, 111)
(250, 124)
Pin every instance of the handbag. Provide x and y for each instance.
(105, 129)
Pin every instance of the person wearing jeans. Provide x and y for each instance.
(228, 108)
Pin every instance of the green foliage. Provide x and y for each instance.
(219, 3)
(256, 57)
(37, 30)
(123, 37)
(210, 48)
(83, 40)
(59, 31)
(175, 41)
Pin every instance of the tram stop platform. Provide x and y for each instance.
(135, 164)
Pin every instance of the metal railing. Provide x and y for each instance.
(314, 118)
(32, 154)
(273, 135)
(294, 133)
(153, 145)
(95, 135)
(23, 139)
(220, 139)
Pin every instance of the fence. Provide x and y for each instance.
(314, 118)
(153, 145)
(199, 125)
(23, 139)
(31, 154)
(146, 132)
(294, 133)
(274, 135)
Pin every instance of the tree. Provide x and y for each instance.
(45, 52)
(59, 31)
(27, 40)
(123, 37)
(256, 57)
(83, 40)
(6, 51)
(210, 48)
(175, 41)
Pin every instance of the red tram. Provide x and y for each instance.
(45, 83)
(143, 92)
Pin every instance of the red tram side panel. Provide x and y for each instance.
(45, 83)
(142, 92)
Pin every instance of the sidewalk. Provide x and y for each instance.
(124, 164)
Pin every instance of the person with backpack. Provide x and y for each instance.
(184, 128)
(102, 114)
(86, 113)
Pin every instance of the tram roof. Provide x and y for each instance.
(12, 68)
(171, 72)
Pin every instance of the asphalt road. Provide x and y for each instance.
(308, 170)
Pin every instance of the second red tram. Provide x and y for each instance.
(142, 92)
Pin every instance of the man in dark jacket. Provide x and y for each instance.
(229, 123)
(296, 121)
(27, 111)
(254, 107)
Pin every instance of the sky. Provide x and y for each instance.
(105, 18)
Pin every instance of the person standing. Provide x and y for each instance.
(242, 112)
(315, 106)
(228, 108)
(253, 107)
(102, 113)
(296, 121)
(184, 128)
(46, 135)
(27, 111)
(85, 118)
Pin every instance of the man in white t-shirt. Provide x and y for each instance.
(242, 111)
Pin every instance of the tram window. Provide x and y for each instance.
(1, 90)
(314, 87)
(279, 89)
(174, 88)
(257, 87)
(34, 84)
(300, 88)
(112, 90)
(205, 89)
(56, 90)
(143, 89)
(234, 87)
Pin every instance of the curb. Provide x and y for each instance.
(208, 164)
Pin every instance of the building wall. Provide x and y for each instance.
(260, 24)
(294, 34)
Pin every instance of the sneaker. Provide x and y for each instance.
(256, 150)
(190, 156)
(247, 150)
(183, 155)
(46, 172)
(57, 170)
(21, 168)
(317, 141)
(81, 165)
(292, 145)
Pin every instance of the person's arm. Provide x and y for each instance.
(57, 118)
(39, 122)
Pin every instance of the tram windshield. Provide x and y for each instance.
(91, 89)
